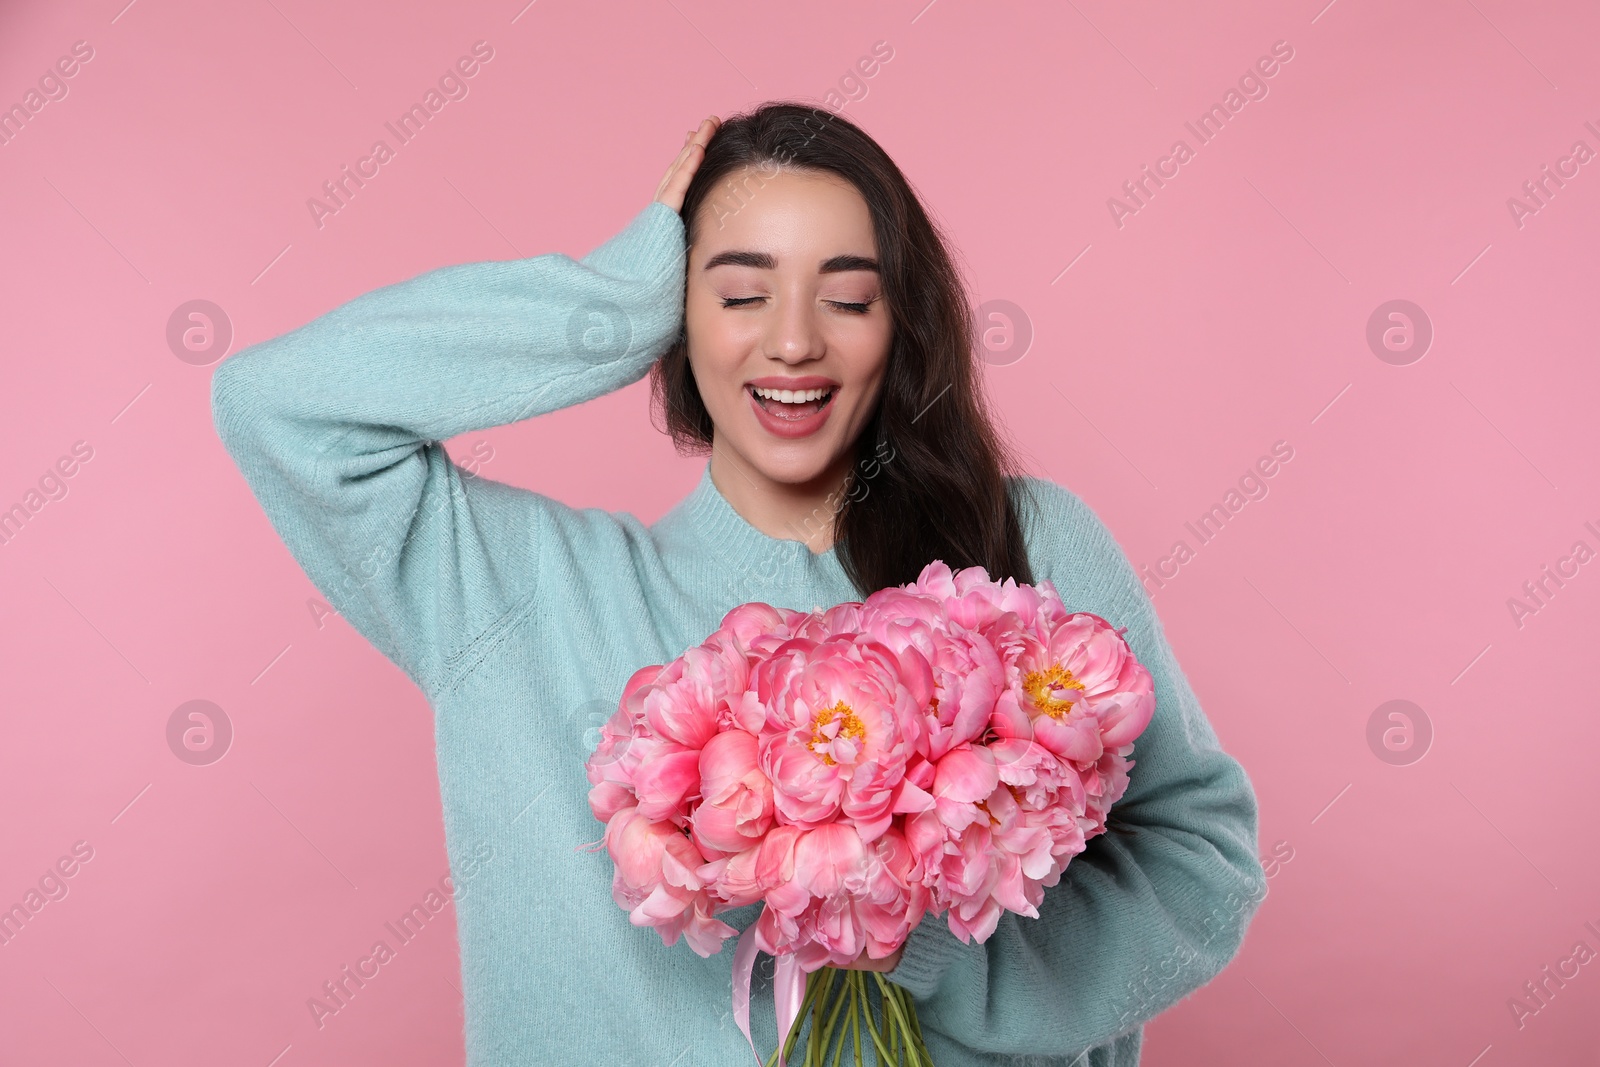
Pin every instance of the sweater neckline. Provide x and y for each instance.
(709, 523)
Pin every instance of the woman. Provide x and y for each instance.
(801, 260)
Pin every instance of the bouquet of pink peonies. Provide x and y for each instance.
(943, 747)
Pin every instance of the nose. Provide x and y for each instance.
(792, 334)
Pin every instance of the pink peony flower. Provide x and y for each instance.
(695, 695)
(1006, 822)
(968, 671)
(611, 767)
(833, 895)
(658, 882)
(736, 808)
(943, 747)
(844, 718)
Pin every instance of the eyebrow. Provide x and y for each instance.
(766, 261)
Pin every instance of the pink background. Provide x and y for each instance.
(1229, 313)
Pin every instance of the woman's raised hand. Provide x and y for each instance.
(676, 181)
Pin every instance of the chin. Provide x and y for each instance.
(790, 469)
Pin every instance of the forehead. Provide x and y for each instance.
(799, 216)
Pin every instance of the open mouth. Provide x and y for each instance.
(792, 403)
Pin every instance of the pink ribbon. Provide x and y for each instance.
(788, 990)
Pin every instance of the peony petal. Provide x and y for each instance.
(828, 858)
(1124, 717)
(664, 783)
(909, 797)
(967, 774)
(725, 762)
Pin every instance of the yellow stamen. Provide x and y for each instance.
(850, 727)
(1042, 685)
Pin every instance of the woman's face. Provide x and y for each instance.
(783, 293)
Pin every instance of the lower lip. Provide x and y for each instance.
(779, 426)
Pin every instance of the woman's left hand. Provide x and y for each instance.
(864, 962)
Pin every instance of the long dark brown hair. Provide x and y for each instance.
(931, 474)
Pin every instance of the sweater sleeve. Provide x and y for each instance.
(1144, 915)
(338, 428)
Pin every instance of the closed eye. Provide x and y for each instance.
(853, 308)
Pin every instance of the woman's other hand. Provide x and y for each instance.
(864, 962)
(676, 181)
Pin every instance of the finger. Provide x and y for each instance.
(707, 127)
(672, 170)
(676, 185)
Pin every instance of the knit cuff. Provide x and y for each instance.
(927, 954)
(649, 250)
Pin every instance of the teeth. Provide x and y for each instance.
(792, 396)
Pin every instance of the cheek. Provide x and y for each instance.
(717, 356)
(709, 345)
(716, 337)
(864, 351)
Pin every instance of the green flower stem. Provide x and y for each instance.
(916, 1055)
(844, 997)
(896, 1027)
(827, 1009)
(831, 991)
(872, 1026)
(839, 1000)
(894, 997)
(855, 1015)
(820, 981)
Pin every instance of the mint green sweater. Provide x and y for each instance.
(521, 618)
